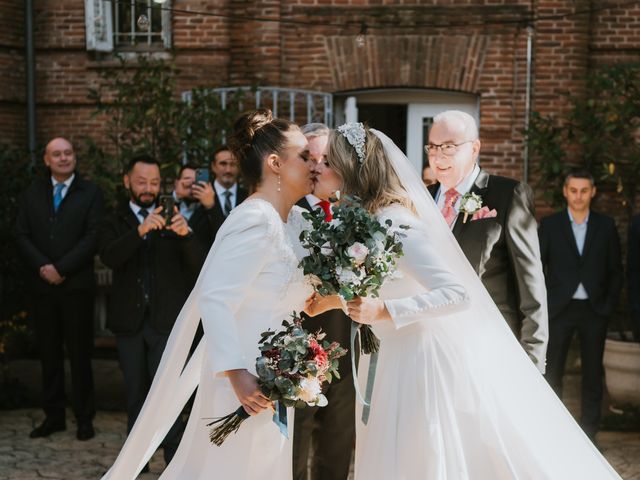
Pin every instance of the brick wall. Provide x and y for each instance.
(415, 47)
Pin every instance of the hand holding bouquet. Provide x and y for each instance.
(291, 369)
(351, 256)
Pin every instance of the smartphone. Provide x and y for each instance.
(202, 175)
(167, 203)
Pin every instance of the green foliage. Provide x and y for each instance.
(15, 341)
(145, 115)
(603, 126)
(16, 176)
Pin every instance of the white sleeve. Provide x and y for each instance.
(444, 293)
(296, 223)
(236, 259)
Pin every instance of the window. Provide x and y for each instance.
(127, 25)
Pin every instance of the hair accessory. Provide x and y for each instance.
(355, 135)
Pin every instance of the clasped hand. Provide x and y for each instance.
(361, 309)
(155, 221)
(245, 385)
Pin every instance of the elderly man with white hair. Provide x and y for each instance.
(492, 218)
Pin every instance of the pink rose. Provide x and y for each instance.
(484, 212)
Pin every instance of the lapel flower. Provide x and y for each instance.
(470, 203)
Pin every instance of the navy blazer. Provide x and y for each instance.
(599, 268)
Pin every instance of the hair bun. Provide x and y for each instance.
(245, 129)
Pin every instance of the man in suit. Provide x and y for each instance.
(56, 236)
(329, 431)
(633, 272)
(224, 168)
(196, 202)
(153, 262)
(581, 257)
(500, 239)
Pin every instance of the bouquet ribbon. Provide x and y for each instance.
(280, 418)
(371, 374)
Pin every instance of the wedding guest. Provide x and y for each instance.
(581, 257)
(633, 272)
(196, 201)
(56, 236)
(428, 177)
(325, 434)
(497, 231)
(153, 262)
(224, 168)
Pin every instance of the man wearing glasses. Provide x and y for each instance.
(492, 219)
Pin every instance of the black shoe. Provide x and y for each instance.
(47, 428)
(85, 431)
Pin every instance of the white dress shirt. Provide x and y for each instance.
(463, 188)
(67, 184)
(220, 193)
(135, 208)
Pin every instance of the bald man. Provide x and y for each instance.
(56, 236)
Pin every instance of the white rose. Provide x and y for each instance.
(472, 205)
(348, 276)
(358, 252)
(326, 249)
(309, 389)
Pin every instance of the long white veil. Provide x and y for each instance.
(530, 424)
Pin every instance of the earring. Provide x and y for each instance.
(279, 189)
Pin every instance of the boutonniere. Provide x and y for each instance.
(470, 203)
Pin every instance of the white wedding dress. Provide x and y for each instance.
(249, 284)
(455, 396)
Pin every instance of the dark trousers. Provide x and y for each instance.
(592, 332)
(330, 431)
(140, 355)
(64, 320)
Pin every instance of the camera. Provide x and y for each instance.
(167, 203)
(202, 175)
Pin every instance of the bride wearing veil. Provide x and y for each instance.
(455, 397)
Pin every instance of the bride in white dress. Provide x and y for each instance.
(455, 397)
(248, 284)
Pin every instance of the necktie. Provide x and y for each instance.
(227, 202)
(57, 195)
(326, 208)
(450, 198)
(143, 212)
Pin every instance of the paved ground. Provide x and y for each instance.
(62, 457)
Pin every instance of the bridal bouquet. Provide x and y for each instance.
(291, 369)
(351, 256)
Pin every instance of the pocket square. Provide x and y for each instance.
(484, 212)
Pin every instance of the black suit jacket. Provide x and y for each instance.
(66, 238)
(633, 272)
(599, 268)
(504, 252)
(206, 223)
(173, 263)
(334, 323)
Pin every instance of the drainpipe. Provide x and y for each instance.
(31, 82)
(527, 104)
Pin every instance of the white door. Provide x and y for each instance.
(419, 119)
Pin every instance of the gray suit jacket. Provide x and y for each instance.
(505, 253)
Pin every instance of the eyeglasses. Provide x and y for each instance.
(447, 149)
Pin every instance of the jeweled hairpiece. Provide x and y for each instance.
(355, 135)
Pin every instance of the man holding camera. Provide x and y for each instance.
(154, 257)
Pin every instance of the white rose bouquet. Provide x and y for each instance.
(351, 256)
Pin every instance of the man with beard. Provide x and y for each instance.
(56, 237)
(329, 431)
(153, 264)
(224, 167)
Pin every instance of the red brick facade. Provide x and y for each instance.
(462, 45)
